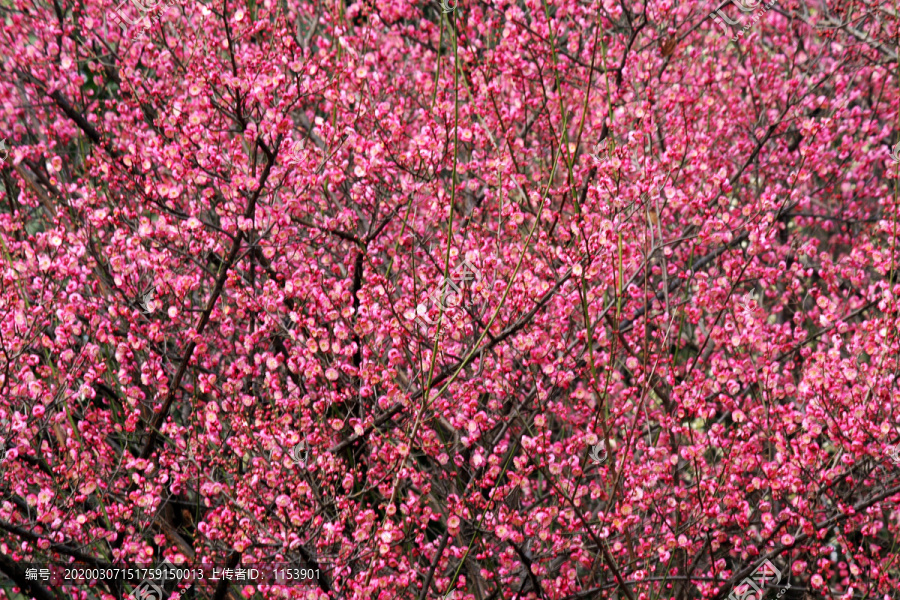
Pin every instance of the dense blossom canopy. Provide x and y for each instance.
(533, 299)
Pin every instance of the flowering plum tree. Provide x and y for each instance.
(557, 299)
